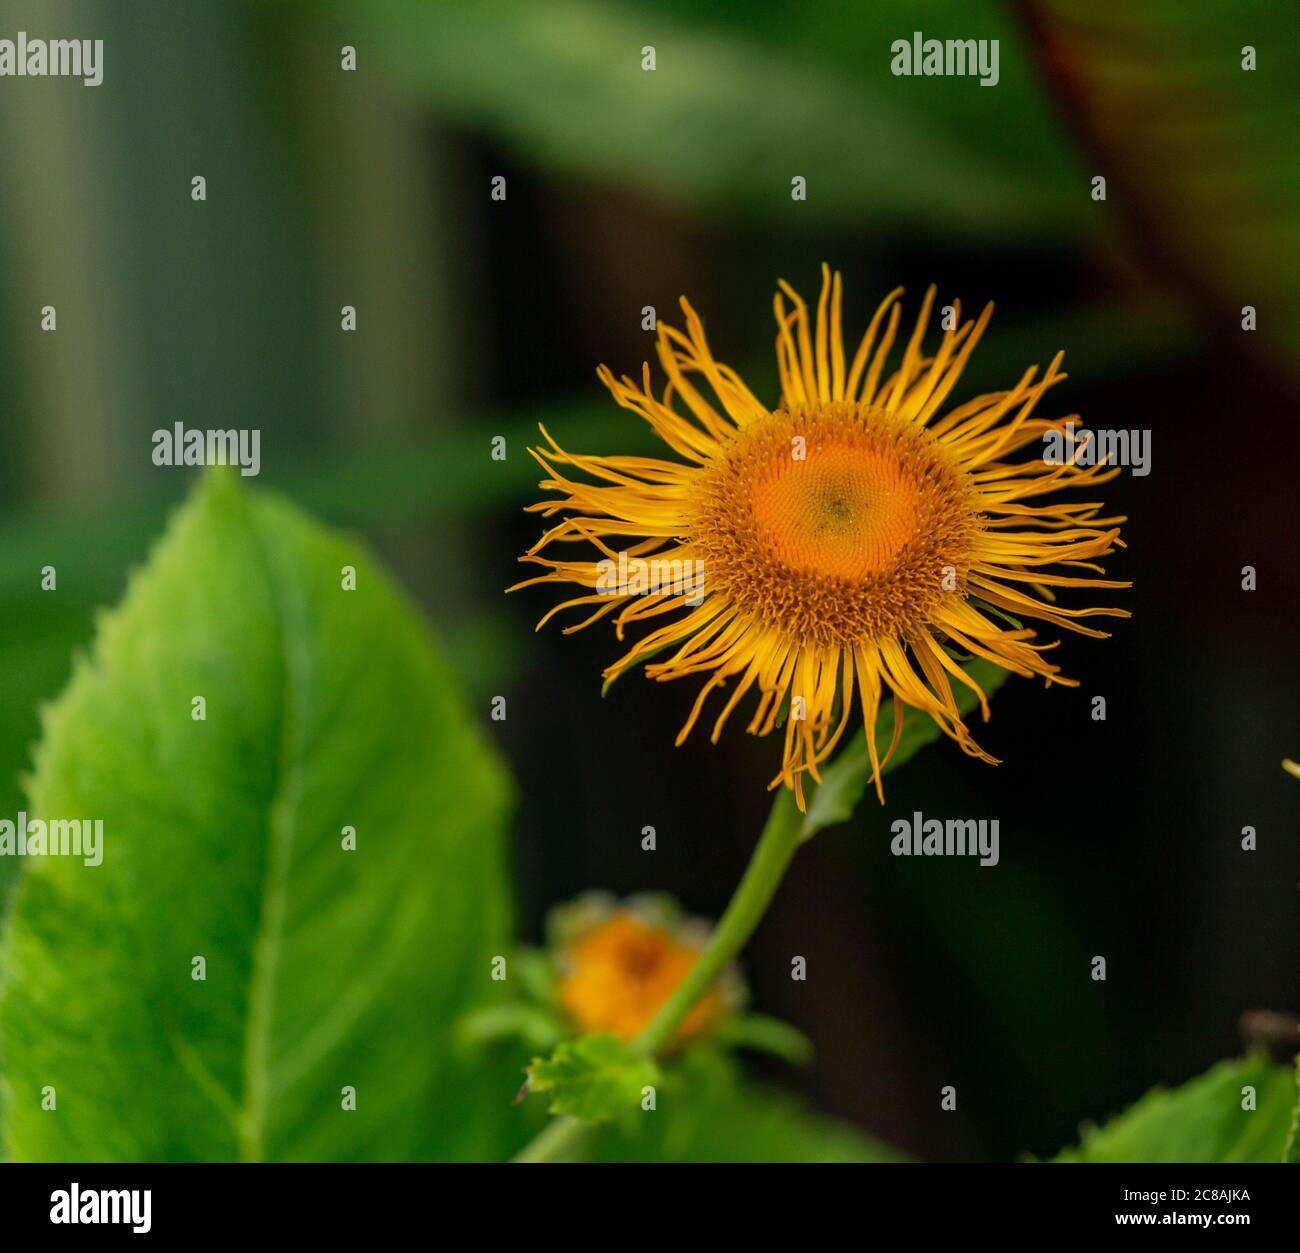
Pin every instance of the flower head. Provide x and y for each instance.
(858, 539)
(618, 964)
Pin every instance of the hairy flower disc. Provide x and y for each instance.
(619, 975)
(834, 524)
(858, 539)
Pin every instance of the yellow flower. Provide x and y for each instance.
(855, 540)
(619, 972)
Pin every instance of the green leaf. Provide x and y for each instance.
(1291, 1150)
(640, 662)
(1203, 192)
(596, 1078)
(326, 969)
(562, 88)
(846, 779)
(534, 1027)
(1203, 1121)
(536, 974)
(764, 1034)
(708, 1112)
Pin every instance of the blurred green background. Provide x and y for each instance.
(479, 318)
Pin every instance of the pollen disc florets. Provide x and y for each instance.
(834, 523)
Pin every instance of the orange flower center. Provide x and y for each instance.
(835, 523)
(623, 971)
(847, 513)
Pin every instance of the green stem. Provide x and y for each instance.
(563, 1138)
(776, 846)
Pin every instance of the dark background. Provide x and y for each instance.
(478, 318)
